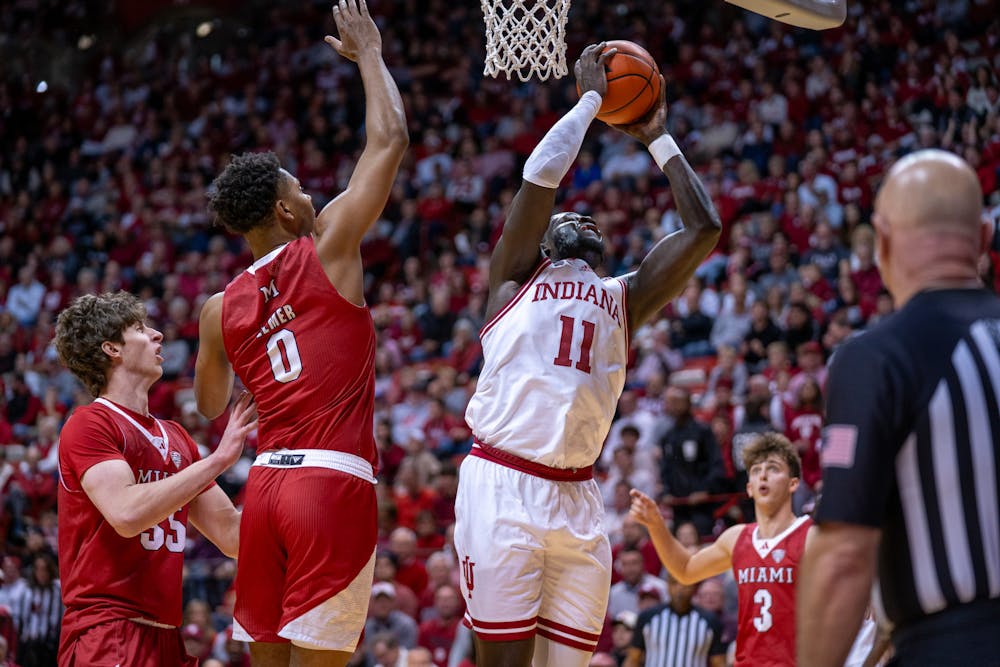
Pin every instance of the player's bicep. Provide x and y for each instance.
(665, 271)
(105, 484)
(857, 453)
(518, 253)
(213, 376)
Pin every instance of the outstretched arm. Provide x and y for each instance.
(517, 252)
(665, 271)
(685, 567)
(345, 220)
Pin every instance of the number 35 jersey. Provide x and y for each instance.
(554, 367)
(305, 352)
(766, 572)
(106, 576)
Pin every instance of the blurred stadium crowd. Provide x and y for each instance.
(114, 119)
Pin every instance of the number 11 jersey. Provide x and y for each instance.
(555, 361)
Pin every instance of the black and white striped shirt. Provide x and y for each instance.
(913, 448)
(670, 639)
(38, 613)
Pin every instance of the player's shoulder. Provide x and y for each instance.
(89, 417)
(731, 536)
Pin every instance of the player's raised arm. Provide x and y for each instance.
(665, 271)
(345, 220)
(685, 567)
(517, 253)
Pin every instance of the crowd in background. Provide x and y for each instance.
(110, 137)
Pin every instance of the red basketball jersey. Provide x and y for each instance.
(765, 572)
(304, 352)
(106, 576)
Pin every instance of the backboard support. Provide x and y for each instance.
(812, 14)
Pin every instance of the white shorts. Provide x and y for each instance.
(534, 554)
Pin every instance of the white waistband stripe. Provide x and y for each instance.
(317, 458)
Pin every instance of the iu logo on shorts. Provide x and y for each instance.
(470, 578)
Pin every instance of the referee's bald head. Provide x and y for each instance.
(931, 189)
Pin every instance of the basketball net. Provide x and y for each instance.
(526, 37)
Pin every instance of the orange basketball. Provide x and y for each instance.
(633, 84)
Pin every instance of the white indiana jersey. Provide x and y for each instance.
(554, 367)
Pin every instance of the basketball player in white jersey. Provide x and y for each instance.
(536, 561)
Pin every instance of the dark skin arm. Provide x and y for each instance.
(665, 271)
(343, 222)
(517, 254)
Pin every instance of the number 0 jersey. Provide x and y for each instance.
(766, 571)
(554, 367)
(106, 576)
(305, 352)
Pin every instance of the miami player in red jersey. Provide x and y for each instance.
(128, 484)
(295, 328)
(764, 556)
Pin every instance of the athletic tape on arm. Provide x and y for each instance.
(554, 154)
(662, 149)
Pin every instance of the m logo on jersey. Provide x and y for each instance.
(467, 573)
(269, 291)
(778, 555)
(175, 456)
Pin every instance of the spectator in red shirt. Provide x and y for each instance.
(410, 495)
(635, 537)
(805, 423)
(429, 538)
(438, 633)
(386, 570)
(411, 572)
(39, 488)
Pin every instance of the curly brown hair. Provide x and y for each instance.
(87, 323)
(770, 443)
(244, 194)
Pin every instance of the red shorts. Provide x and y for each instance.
(307, 546)
(125, 643)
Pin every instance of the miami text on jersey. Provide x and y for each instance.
(765, 575)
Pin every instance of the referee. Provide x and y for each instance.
(677, 634)
(911, 456)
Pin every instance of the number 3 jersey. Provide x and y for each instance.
(766, 571)
(305, 352)
(554, 367)
(106, 576)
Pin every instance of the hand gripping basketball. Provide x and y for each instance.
(634, 82)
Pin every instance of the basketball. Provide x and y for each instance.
(633, 84)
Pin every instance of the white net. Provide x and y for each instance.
(526, 37)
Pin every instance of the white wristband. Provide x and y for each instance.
(662, 149)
